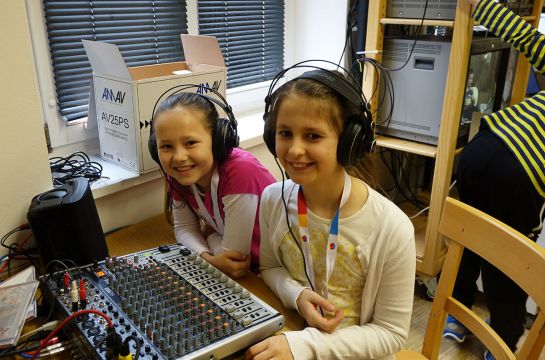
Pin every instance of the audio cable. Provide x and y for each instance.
(44, 342)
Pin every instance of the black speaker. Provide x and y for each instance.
(65, 224)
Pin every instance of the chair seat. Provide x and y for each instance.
(409, 355)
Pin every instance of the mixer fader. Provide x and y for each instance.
(175, 304)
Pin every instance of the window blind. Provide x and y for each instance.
(251, 37)
(146, 32)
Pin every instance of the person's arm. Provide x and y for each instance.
(275, 275)
(240, 216)
(513, 29)
(187, 229)
(231, 253)
(387, 331)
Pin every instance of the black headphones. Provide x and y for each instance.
(357, 136)
(224, 133)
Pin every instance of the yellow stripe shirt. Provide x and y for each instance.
(522, 126)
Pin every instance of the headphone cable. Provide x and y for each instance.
(291, 231)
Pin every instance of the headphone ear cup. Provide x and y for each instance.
(152, 145)
(269, 135)
(224, 139)
(352, 142)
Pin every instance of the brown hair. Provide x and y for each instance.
(329, 105)
(191, 100)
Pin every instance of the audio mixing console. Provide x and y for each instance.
(173, 302)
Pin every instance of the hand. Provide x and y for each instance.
(231, 262)
(308, 303)
(275, 347)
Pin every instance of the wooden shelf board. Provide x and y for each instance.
(409, 146)
(431, 22)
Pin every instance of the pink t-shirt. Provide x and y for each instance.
(241, 173)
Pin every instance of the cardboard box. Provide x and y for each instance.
(122, 98)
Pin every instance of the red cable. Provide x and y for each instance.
(67, 320)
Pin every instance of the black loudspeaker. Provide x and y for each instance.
(65, 224)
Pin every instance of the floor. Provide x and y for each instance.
(471, 349)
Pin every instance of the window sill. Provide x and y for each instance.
(115, 178)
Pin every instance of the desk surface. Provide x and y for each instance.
(156, 231)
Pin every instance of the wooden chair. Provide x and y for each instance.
(511, 252)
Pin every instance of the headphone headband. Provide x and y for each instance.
(332, 80)
(224, 132)
(357, 136)
(222, 103)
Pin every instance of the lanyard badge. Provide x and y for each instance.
(215, 221)
(331, 251)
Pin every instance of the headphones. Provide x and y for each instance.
(224, 132)
(357, 135)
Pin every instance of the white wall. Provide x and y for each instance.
(318, 29)
(315, 29)
(23, 153)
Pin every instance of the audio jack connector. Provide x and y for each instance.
(74, 296)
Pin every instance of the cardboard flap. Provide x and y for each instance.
(106, 59)
(202, 49)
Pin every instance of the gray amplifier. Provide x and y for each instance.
(414, 9)
(419, 88)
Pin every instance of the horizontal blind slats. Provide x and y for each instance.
(146, 32)
(250, 34)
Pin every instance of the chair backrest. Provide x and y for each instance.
(508, 250)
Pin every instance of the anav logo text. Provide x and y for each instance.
(109, 95)
(205, 87)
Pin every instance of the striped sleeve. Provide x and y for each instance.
(513, 29)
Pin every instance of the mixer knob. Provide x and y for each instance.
(246, 321)
(230, 308)
(245, 294)
(237, 314)
(226, 328)
(156, 337)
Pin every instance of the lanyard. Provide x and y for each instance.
(216, 222)
(331, 251)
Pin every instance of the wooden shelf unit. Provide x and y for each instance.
(430, 245)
